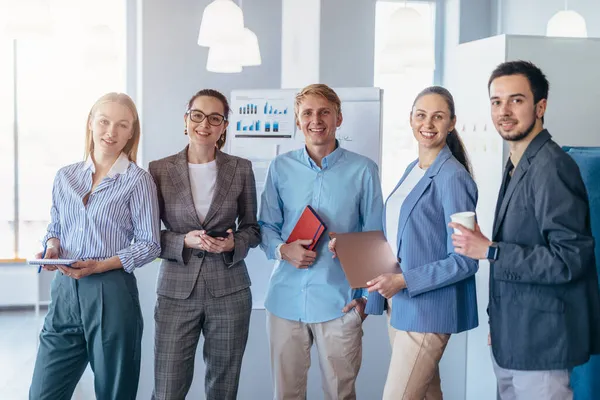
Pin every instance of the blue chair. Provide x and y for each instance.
(585, 379)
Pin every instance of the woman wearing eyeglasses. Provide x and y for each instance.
(203, 284)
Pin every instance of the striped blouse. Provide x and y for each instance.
(120, 217)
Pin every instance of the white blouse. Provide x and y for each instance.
(203, 178)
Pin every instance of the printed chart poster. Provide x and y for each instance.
(266, 115)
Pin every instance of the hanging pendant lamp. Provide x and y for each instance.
(566, 23)
(222, 22)
(230, 48)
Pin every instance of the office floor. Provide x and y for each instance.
(19, 331)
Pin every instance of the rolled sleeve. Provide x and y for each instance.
(53, 230)
(143, 205)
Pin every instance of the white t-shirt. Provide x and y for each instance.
(394, 203)
(203, 178)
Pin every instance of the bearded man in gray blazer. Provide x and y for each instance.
(544, 305)
(208, 205)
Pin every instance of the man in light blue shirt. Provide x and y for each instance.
(309, 299)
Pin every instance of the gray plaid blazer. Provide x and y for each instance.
(234, 200)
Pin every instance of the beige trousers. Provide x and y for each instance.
(414, 367)
(339, 345)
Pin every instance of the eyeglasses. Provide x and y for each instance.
(213, 119)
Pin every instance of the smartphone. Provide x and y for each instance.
(218, 234)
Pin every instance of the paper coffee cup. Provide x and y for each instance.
(466, 219)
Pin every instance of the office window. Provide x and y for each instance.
(56, 80)
(395, 42)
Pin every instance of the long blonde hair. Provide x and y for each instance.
(131, 147)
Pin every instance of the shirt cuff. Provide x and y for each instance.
(278, 251)
(126, 260)
(49, 236)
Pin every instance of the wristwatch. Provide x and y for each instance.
(492, 253)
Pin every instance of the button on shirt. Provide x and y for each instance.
(120, 217)
(346, 193)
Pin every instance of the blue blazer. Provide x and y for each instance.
(440, 295)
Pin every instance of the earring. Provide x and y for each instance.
(185, 131)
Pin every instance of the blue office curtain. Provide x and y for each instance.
(585, 379)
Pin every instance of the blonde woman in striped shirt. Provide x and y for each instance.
(104, 214)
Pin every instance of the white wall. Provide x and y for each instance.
(21, 285)
(18, 285)
(347, 43)
(465, 21)
(475, 20)
(300, 39)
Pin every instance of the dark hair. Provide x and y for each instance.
(452, 140)
(537, 80)
(219, 96)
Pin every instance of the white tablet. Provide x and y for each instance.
(50, 261)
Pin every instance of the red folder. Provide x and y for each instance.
(309, 226)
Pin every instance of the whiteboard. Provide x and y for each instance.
(360, 132)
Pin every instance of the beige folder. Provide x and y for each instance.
(364, 256)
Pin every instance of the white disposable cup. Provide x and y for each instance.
(466, 219)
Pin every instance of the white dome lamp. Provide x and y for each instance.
(408, 43)
(229, 52)
(222, 22)
(231, 57)
(27, 19)
(250, 49)
(224, 58)
(566, 23)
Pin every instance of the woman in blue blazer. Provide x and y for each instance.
(434, 295)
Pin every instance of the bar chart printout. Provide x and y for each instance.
(253, 126)
(263, 114)
(269, 110)
(248, 109)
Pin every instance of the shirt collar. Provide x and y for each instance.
(119, 167)
(327, 161)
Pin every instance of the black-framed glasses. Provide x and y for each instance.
(198, 116)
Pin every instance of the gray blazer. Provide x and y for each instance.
(234, 199)
(544, 302)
